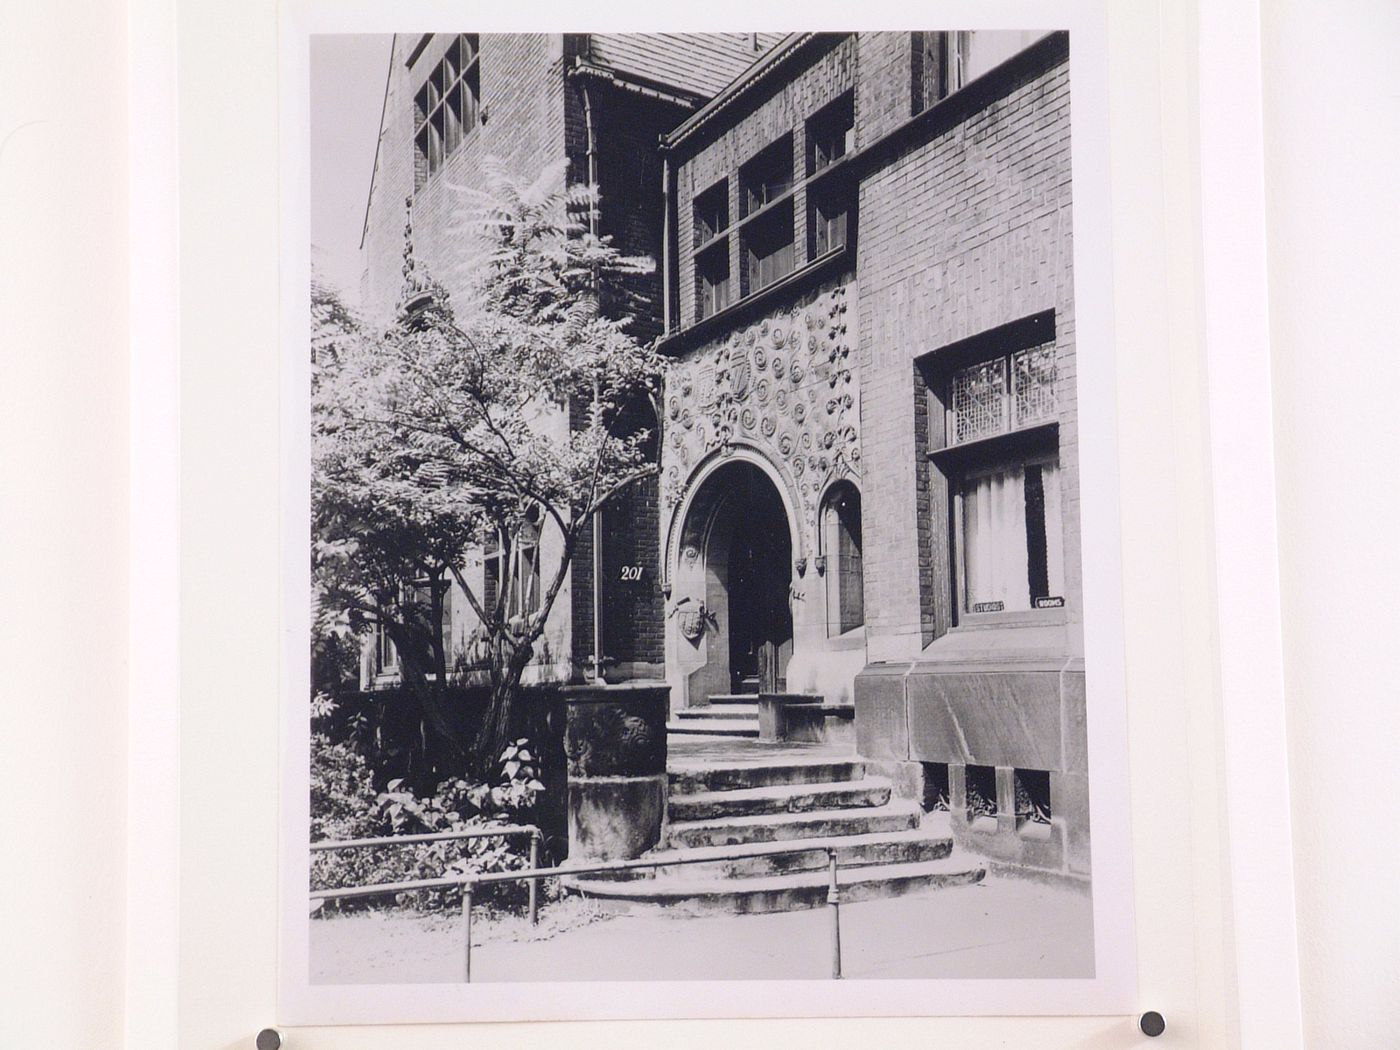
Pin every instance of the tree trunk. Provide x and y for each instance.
(495, 732)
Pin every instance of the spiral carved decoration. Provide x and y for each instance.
(786, 385)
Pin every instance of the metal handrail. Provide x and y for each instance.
(504, 831)
(468, 883)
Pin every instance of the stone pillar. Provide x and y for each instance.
(615, 742)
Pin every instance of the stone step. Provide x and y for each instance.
(691, 779)
(774, 827)
(748, 699)
(705, 894)
(715, 727)
(774, 858)
(726, 711)
(781, 798)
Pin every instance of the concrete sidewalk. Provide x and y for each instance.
(1002, 928)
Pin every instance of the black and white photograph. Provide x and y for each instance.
(696, 565)
(748, 525)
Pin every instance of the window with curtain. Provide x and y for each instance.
(1007, 515)
(1012, 549)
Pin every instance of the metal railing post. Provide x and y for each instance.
(833, 898)
(467, 888)
(535, 837)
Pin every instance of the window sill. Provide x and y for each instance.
(1030, 439)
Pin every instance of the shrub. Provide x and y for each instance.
(344, 805)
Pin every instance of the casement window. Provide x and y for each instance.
(446, 106)
(713, 271)
(768, 248)
(765, 186)
(842, 546)
(712, 249)
(386, 654)
(830, 136)
(767, 177)
(518, 573)
(939, 66)
(1007, 513)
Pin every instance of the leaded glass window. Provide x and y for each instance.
(1001, 395)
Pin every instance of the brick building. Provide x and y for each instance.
(602, 101)
(869, 482)
(869, 472)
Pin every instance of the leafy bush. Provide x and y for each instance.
(344, 805)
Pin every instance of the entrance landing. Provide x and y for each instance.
(686, 753)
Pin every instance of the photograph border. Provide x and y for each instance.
(1112, 992)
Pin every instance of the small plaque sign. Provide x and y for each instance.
(981, 607)
(1050, 603)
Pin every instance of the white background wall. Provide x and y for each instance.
(1332, 139)
(1332, 94)
(63, 535)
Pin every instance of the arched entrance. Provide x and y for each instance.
(736, 562)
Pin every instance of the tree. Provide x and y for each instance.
(471, 421)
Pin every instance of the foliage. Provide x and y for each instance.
(469, 424)
(344, 805)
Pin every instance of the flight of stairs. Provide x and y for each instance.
(726, 714)
(885, 846)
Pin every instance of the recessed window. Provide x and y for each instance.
(1001, 395)
(939, 64)
(768, 248)
(768, 177)
(446, 107)
(980, 783)
(828, 221)
(831, 134)
(712, 269)
(1003, 467)
(1012, 550)
(512, 574)
(711, 213)
(842, 544)
(1033, 801)
(935, 793)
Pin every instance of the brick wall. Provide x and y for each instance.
(958, 234)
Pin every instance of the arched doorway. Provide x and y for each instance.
(736, 560)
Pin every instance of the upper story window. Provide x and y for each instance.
(765, 184)
(940, 66)
(767, 177)
(446, 106)
(831, 134)
(711, 213)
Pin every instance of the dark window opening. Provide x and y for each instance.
(768, 248)
(935, 795)
(828, 222)
(1033, 801)
(939, 61)
(981, 784)
(713, 271)
(767, 177)
(711, 213)
(831, 134)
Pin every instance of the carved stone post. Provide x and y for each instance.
(615, 742)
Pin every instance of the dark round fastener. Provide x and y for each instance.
(1152, 1023)
(269, 1039)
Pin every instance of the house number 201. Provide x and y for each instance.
(631, 572)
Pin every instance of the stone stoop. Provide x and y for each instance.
(725, 714)
(885, 846)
